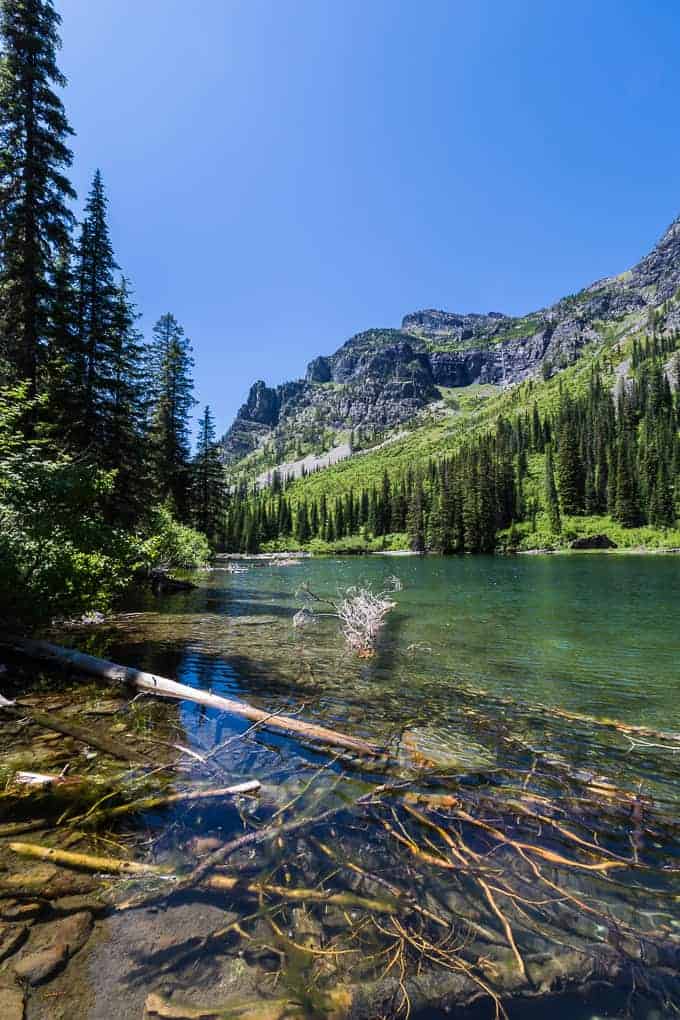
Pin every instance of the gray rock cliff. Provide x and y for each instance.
(383, 377)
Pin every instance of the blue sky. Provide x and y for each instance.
(285, 173)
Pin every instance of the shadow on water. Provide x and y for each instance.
(490, 684)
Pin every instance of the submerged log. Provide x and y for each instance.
(220, 883)
(164, 688)
(90, 736)
(162, 801)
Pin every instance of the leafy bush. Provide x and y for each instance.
(172, 544)
(58, 555)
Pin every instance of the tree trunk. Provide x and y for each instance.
(165, 688)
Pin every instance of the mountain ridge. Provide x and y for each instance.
(382, 378)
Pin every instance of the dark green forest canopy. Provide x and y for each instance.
(604, 450)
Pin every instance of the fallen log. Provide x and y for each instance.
(19, 828)
(164, 688)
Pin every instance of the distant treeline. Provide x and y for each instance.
(602, 454)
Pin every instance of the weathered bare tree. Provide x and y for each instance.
(361, 611)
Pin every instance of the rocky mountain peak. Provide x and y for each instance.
(661, 268)
(383, 377)
(433, 323)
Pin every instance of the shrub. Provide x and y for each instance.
(172, 544)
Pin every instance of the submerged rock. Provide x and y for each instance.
(11, 938)
(439, 747)
(20, 912)
(12, 999)
(51, 945)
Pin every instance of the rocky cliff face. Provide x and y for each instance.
(383, 377)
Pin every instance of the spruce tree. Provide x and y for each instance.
(208, 486)
(123, 410)
(34, 191)
(64, 365)
(415, 518)
(550, 490)
(172, 391)
(570, 471)
(627, 507)
(302, 531)
(96, 304)
(661, 510)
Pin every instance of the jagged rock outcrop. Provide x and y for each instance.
(378, 379)
(383, 377)
(433, 324)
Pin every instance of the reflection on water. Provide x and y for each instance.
(502, 675)
(592, 635)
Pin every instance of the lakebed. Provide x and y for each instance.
(513, 844)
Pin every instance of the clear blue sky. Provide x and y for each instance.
(284, 173)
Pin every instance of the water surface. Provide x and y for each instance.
(505, 674)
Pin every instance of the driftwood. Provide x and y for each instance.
(19, 828)
(43, 779)
(151, 803)
(165, 688)
(222, 883)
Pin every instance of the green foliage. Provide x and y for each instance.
(58, 554)
(96, 428)
(173, 544)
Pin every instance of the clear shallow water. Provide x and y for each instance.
(499, 671)
(592, 635)
(597, 634)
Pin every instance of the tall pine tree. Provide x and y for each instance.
(96, 310)
(34, 191)
(172, 391)
(208, 489)
(124, 443)
(550, 491)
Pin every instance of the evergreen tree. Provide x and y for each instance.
(208, 486)
(302, 530)
(662, 511)
(64, 365)
(172, 391)
(550, 489)
(415, 518)
(627, 508)
(96, 309)
(123, 412)
(570, 470)
(34, 192)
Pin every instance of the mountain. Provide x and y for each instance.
(383, 379)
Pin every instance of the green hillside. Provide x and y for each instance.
(409, 492)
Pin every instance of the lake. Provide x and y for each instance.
(539, 696)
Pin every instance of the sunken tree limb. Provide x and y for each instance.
(89, 735)
(162, 687)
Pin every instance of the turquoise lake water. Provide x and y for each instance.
(506, 672)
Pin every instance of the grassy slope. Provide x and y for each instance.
(469, 411)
